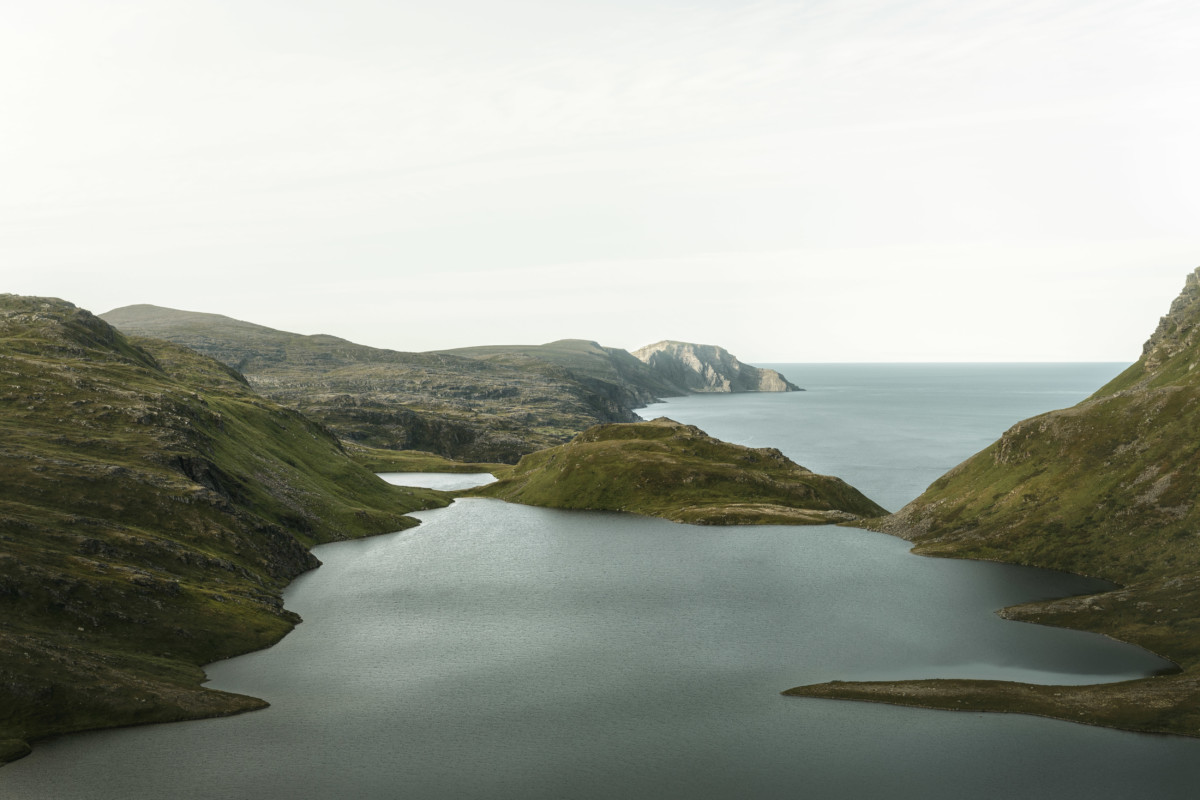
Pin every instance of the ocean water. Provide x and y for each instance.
(499, 651)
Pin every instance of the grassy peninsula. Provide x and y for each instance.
(666, 469)
(152, 508)
(1107, 488)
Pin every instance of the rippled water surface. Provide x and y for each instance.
(499, 651)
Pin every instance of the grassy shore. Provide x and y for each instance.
(665, 469)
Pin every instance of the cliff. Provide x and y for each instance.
(152, 508)
(665, 469)
(1107, 488)
(707, 368)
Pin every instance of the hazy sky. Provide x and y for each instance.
(797, 181)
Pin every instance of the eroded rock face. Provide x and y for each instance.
(708, 368)
(1178, 330)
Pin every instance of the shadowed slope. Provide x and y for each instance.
(152, 507)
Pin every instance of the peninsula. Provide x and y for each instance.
(666, 469)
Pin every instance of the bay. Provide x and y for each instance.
(499, 651)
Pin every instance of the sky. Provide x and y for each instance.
(855, 180)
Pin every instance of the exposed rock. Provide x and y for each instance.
(708, 368)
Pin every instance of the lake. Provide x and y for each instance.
(499, 651)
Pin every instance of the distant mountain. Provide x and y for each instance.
(472, 405)
(609, 371)
(707, 368)
(493, 403)
(152, 508)
(665, 469)
(1107, 488)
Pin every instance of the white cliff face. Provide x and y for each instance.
(707, 368)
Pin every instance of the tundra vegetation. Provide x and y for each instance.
(482, 404)
(152, 508)
(665, 469)
(1108, 489)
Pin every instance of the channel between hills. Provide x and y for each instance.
(1106, 489)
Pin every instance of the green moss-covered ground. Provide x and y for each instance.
(665, 469)
(152, 508)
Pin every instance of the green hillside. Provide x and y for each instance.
(472, 406)
(1107, 488)
(665, 469)
(152, 508)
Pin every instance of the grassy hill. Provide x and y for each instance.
(482, 404)
(152, 508)
(665, 469)
(1107, 488)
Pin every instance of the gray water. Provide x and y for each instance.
(499, 651)
(446, 481)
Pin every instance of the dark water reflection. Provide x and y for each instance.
(507, 652)
(503, 651)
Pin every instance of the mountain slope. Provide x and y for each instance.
(452, 405)
(665, 469)
(1107, 488)
(152, 508)
(707, 368)
(609, 371)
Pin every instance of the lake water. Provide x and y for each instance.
(499, 651)
(446, 481)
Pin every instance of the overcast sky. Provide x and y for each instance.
(797, 181)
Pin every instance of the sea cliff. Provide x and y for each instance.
(708, 368)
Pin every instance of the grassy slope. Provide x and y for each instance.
(675, 471)
(152, 507)
(493, 407)
(1107, 488)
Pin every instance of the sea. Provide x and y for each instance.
(502, 651)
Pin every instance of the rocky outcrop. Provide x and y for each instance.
(708, 368)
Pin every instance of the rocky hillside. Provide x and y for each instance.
(479, 406)
(665, 469)
(489, 404)
(152, 508)
(707, 368)
(609, 371)
(1107, 488)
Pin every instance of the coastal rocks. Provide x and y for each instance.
(1178, 331)
(707, 368)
